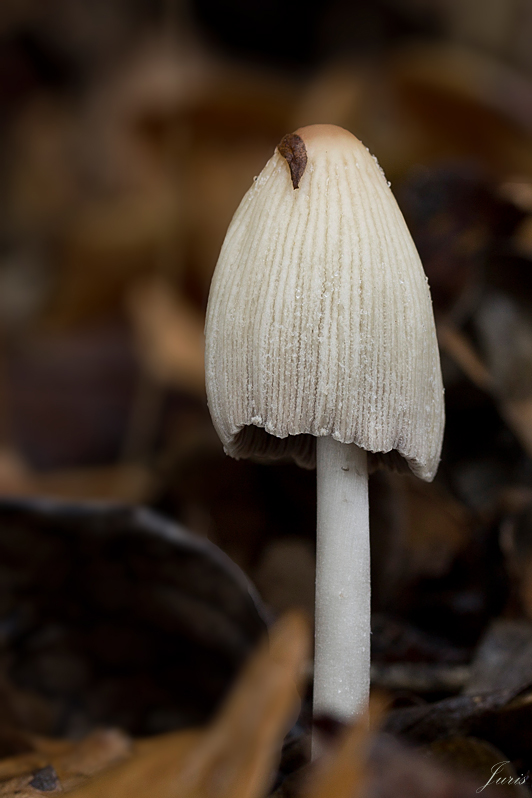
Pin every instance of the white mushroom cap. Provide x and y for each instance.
(320, 318)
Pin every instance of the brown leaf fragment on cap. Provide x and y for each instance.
(292, 148)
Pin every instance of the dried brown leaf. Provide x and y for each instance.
(169, 332)
(57, 765)
(235, 756)
(466, 104)
(518, 416)
(20, 787)
(503, 658)
(15, 479)
(477, 758)
(128, 482)
(516, 412)
(92, 755)
(343, 771)
(460, 715)
(14, 767)
(457, 346)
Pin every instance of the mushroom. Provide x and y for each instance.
(321, 346)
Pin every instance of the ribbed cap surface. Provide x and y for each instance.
(320, 319)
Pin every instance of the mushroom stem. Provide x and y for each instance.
(342, 649)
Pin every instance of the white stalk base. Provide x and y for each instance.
(342, 649)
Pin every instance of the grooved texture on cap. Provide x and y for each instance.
(320, 319)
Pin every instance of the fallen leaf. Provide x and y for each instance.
(169, 332)
(235, 756)
(146, 632)
(503, 658)
(479, 759)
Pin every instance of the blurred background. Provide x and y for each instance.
(130, 130)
